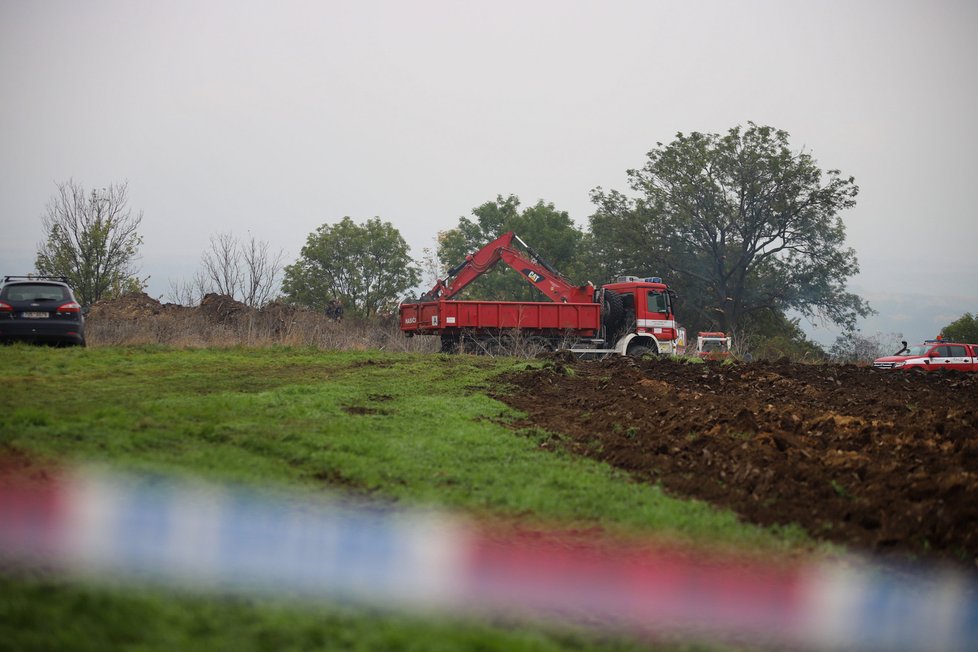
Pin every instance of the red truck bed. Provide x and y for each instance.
(584, 319)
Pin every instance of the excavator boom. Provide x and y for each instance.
(533, 268)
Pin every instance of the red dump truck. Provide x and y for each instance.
(632, 316)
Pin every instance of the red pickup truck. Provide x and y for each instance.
(932, 355)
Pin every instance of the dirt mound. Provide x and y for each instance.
(222, 308)
(282, 311)
(881, 461)
(218, 308)
(128, 306)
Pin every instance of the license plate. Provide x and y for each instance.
(36, 315)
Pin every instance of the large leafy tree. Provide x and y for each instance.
(92, 240)
(739, 223)
(770, 335)
(962, 329)
(550, 232)
(367, 266)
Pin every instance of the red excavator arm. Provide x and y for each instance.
(533, 268)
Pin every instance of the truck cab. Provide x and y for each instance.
(932, 355)
(648, 321)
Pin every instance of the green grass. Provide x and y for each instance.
(413, 429)
(48, 615)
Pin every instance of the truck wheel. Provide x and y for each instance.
(639, 351)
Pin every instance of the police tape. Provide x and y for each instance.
(201, 537)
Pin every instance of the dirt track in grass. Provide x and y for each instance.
(881, 461)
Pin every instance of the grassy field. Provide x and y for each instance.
(413, 429)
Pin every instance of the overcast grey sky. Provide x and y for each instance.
(272, 118)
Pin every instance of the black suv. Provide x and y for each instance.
(40, 309)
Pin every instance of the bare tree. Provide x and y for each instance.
(854, 347)
(432, 268)
(189, 293)
(222, 265)
(92, 240)
(246, 271)
(261, 268)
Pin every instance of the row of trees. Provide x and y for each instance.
(743, 228)
(746, 230)
(92, 239)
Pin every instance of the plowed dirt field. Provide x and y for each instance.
(883, 462)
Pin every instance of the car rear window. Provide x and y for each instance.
(958, 351)
(33, 292)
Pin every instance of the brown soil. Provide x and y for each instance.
(886, 462)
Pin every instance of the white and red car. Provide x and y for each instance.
(932, 355)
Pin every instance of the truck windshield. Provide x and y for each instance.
(657, 302)
(916, 351)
